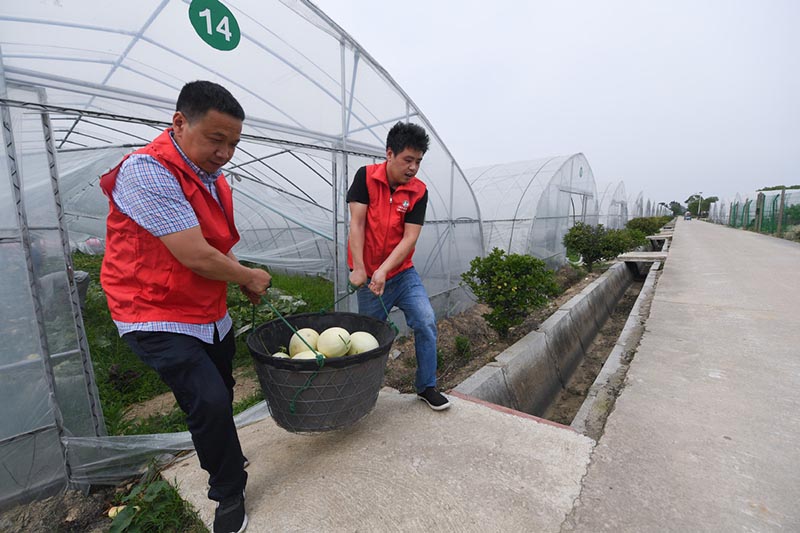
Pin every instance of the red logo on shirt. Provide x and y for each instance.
(402, 208)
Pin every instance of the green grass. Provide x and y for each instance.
(175, 420)
(123, 380)
(154, 505)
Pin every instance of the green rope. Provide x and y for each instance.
(350, 290)
(391, 324)
(306, 386)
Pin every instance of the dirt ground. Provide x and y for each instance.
(69, 512)
(466, 343)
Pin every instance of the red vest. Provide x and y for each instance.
(142, 280)
(386, 217)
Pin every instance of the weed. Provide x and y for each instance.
(154, 505)
(463, 348)
(246, 403)
(171, 422)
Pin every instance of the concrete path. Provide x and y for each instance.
(705, 435)
(406, 468)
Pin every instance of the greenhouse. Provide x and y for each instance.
(527, 207)
(719, 212)
(613, 205)
(81, 85)
(636, 205)
(742, 212)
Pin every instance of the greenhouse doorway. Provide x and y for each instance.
(47, 384)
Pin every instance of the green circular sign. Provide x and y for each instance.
(215, 24)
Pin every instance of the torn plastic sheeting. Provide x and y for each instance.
(113, 459)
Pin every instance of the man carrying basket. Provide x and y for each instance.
(387, 210)
(165, 272)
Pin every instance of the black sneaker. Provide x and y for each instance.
(230, 516)
(435, 399)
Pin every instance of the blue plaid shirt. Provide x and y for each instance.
(148, 193)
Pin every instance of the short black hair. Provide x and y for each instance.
(407, 135)
(198, 97)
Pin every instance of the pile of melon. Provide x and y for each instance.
(333, 342)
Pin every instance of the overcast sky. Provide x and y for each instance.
(673, 97)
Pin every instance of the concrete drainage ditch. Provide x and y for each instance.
(530, 374)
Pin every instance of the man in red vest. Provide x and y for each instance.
(387, 210)
(165, 272)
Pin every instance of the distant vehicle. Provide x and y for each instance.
(687, 216)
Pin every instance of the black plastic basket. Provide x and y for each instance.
(341, 393)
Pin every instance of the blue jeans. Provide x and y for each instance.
(201, 378)
(406, 292)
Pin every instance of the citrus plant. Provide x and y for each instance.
(596, 243)
(586, 240)
(512, 285)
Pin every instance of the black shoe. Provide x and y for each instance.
(435, 399)
(230, 516)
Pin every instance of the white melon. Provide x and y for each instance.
(308, 354)
(296, 345)
(362, 341)
(334, 342)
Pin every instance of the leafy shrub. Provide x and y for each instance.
(619, 241)
(614, 242)
(511, 284)
(647, 225)
(596, 243)
(586, 240)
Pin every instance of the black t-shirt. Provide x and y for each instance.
(358, 193)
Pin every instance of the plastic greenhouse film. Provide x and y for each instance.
(110, 460)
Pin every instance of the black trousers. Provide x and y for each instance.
(201, 378)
